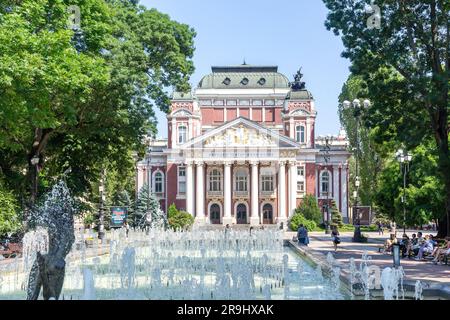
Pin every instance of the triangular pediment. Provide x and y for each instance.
(241, 133)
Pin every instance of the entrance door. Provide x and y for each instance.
(241, 214)
(214, 214)
(267, 214)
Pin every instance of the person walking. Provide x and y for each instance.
(127, 228)
(302, 235)
(335, 237)
(380, 228)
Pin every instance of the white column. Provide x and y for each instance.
(200, 213)
(292, 187)
(336, 185)
(254, 218)
(282, 193)
(343, 182)
(190, 188)
(227, 194)
(140, 179)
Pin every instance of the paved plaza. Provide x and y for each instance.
(414, 270)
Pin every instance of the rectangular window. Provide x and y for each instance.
(218, 102)
(269, 102)
(301, 172)
(231, 102)
(205, 102)
(267, 183)
(257, 102)
(244, 102)
(181, 180)
(300, 186)
(241, 183)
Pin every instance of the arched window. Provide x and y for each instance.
(182, 134)
(215, 180)
(241, 180)
(159, 182)
(324, 183)
(300, 133)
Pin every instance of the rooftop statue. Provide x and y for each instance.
(298, 84)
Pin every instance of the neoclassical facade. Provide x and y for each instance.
(241, 149)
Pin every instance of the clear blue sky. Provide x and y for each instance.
(287, 33)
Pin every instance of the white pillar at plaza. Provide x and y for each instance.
(254, 218)
(292, 187)
(190, 188)
(282, 192)
(227, 194)
(200, 194)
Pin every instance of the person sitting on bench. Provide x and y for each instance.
(389, 242)
(426, 248)
(405, 245)
(440, 253)
(419, 242)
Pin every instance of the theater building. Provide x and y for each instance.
(242, 149)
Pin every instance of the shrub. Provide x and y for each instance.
(298, 219)
(309, 208)
(179, 220)
(336, 216)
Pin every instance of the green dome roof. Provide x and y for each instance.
(244, 76)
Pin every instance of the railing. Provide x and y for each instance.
(215, 194)
(267, 193)
(240, 194)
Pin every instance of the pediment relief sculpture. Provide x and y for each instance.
(240, 136)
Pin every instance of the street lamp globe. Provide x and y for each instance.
(356, 103)
(346, 104)
(35, 160)
(367, 103)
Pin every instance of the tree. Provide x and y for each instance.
(336, 216)
(309, 209)
(179, 220)
(370, 162)
(147, 211)
(84, 98)
(405, 61)
(9, 218)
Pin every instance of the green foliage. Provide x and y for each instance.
(298, 219)
(9, 218)
(404, 67)
(336, 216)
(179, 220)
(89, 219)
(147, 209)
(309, 209)
(84, 99)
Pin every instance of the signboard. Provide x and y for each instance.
(118, 216)
(365, 215)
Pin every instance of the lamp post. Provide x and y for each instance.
(326, 157)
(404, 158)
(358, 109)
(101, 216)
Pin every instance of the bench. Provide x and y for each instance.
(11, 250)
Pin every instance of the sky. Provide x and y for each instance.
(287, 33)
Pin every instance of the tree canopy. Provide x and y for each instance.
(405, 62)
(84, 97)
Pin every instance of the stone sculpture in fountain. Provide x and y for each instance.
(55, 214)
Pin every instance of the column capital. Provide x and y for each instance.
(292, 163)
(254, 162)
(282, 163)
(189, 162)
(227, 163)
(200, 163)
